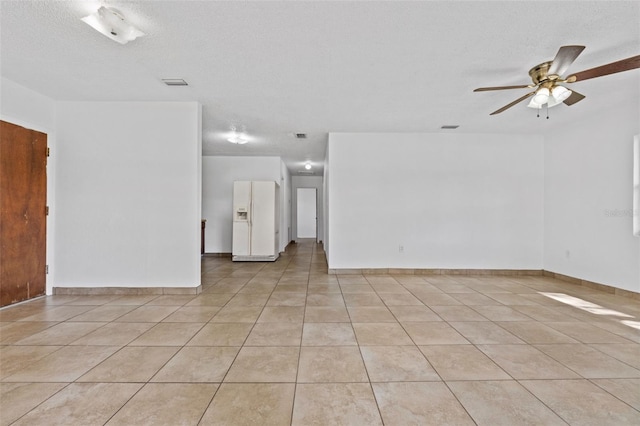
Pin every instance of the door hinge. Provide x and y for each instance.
(48, 151)
(46, 210)
(46, 269)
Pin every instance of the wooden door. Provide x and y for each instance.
(23, 200)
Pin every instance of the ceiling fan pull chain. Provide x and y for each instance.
(547, 111)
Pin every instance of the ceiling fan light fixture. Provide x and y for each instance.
(111, 23)
(560, 93)
(553, 102)
(542, 96)
(545, 76)
(534, 104)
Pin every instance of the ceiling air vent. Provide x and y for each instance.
(305, 172)
(300, 135)
(450, 126)
(174, 82)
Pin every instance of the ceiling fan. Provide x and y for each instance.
(546, 79)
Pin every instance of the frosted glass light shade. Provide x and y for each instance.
(534, 104)
(552, 102)
(560, 93)
(542, 96)
(112, 24)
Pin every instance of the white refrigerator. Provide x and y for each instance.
(255, 221)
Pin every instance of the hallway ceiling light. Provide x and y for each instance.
(307, 166)
(237, 139)
(112, 24)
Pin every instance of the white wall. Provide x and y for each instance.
(451, 201)
(285, 213)
(128, 199)
(218, 175)
(588, 199)
(307, 182)
(24, 107)
(325, 203)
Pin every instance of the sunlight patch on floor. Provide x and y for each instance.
(593, 308)
(633, 324)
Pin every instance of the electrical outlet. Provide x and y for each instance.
(401, 249)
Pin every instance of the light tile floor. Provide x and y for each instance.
(284, 343)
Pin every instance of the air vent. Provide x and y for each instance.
(174, 82)
(305, 172)
(300, 135)
(450, 126)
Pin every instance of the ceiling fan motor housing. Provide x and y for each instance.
(539, 73)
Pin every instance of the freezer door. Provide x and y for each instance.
(263, 220)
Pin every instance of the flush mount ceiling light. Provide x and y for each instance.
(237, 138)
(111, 23)
(237, 135)
(307, 166)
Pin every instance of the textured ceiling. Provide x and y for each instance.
(276, 68)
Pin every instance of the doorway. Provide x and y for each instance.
(307, 217)
(23, 196)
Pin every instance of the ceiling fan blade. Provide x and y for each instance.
(517, 101)
(485, 89)
(612, 68)
(564, 58)
(573, 98)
